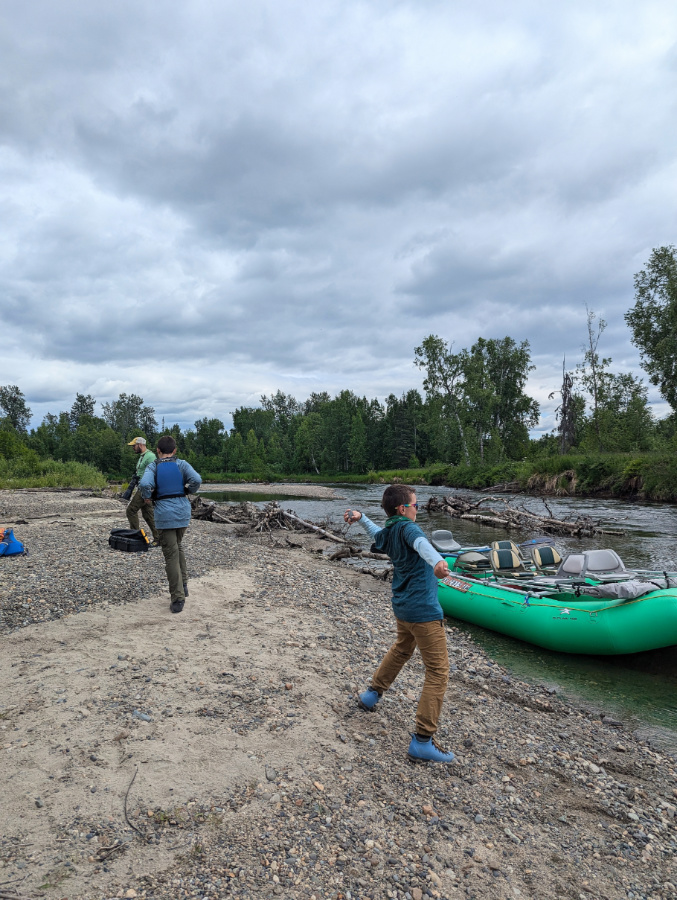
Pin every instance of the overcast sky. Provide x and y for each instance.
(203, 202)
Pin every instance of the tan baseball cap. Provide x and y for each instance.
(139, 440)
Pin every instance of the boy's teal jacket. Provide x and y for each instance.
(414, 581)
(174, 512)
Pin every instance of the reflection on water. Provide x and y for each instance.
(249, 496)
(641, 689)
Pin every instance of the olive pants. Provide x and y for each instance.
(431, 640)
(133, 507)
(175, 562)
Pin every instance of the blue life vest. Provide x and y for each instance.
(9, 546)
(168, 480)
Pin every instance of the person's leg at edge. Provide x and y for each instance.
(132, 511)
(171, 553)
(390, 667)
(431, 639)
(148, 514)
(180, 532)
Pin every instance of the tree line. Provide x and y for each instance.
(474, 409)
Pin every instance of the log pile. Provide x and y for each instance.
(272, 518)
(513, 516)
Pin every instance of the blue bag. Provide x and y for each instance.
(9, 546)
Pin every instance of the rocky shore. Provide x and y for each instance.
(220, 753)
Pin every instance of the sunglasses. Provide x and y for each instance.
(407, 505)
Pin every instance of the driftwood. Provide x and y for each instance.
(514, 516)
(206, 509)
(505, 487)
(272, 518)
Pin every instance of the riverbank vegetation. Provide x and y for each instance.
(469, 428)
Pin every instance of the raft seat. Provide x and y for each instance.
(507, 562)
(472, 561)
(443, 541)
(600, 564)
(545, 559)
(507, 545)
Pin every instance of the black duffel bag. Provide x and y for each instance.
(128, 540)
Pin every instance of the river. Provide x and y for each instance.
(641, 690)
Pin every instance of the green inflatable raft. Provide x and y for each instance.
(563, 621)
(560, 613)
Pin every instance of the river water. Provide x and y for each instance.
(641, 690)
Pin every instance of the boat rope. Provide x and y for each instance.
(527, 601)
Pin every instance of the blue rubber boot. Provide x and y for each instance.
(428, 751)
(368, 699)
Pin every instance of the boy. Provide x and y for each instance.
(168, 480)
(420, 620)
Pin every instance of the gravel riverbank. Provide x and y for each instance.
(220, 753)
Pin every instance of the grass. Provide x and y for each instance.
(649, 476)
(32, 472)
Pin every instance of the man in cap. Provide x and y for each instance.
(136, 503)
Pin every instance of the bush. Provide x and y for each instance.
(29, 471)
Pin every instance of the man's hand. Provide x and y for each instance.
(147, 500)
(441, 570)
(351, 515)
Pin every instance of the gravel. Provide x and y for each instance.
(545, 800)
(70, 567)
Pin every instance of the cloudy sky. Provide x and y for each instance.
(203, 202)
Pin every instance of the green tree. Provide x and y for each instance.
(83, 406)
(129, 417)
(570, 412)
(357, 448)
(208, 440)
(444, 379)
(592, 372)
(402, 429)
(17, 415)
(308, 442)
(653, 320)
(513, 412)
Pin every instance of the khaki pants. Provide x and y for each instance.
(431, 640)
(175, 562)
(133, 507)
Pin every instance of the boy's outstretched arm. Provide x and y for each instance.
(427, 552)
(354, 515)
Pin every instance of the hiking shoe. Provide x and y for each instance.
(185, 588)
(428, 751)
(368, 699)
(176, 606)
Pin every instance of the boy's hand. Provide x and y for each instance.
(441, 570)
(351, 515)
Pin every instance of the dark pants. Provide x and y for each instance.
(135, 504)
(431, 640)
(175, 562)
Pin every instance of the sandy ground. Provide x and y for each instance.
(75, 755)
(220, 753)
(316, 491)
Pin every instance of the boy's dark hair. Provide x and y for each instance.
(166, 444)
(395, 495)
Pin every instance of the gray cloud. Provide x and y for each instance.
(294, 195)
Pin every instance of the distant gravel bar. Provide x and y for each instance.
(315, 491)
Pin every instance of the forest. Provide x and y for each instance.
(472, 419)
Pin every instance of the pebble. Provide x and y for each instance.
(564, 805)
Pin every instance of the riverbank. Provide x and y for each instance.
(272, 489)
(640, 476)
(220, 752)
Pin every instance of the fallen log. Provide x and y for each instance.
(515, 516)
(314, 528)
